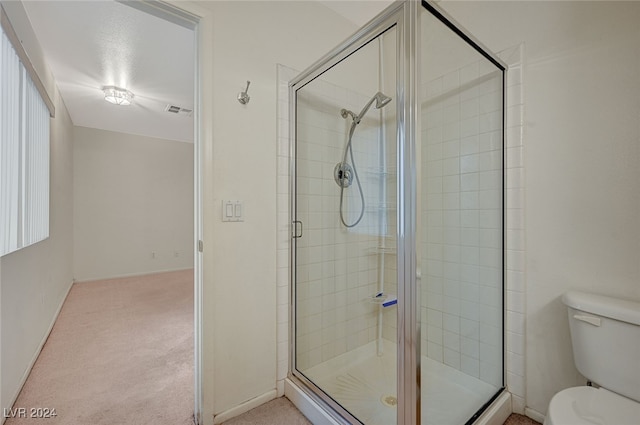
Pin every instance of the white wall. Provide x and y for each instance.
(582, 150)
(35, 280)
(240, 163)
(133, 204)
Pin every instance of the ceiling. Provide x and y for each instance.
(92, 44)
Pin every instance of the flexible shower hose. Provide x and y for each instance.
(355, 173)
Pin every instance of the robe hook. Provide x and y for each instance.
(243, 97)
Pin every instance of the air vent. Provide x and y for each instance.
(173, 109)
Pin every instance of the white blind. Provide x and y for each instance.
(9, 146)
(35, 142)
(24, 155)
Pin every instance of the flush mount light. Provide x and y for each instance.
(117, 95)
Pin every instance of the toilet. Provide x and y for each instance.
(605, 334)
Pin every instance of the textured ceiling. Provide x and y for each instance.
(91, 44)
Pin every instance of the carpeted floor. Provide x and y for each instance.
(276, 412)
(282, 412)
(516, 419)
(121, 352)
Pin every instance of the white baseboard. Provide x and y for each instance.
(244, 407)
(122, 276)
(38, 350)
(534, 414)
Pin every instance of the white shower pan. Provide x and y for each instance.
(365, 385)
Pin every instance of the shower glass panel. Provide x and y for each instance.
(460, 216)
(397, 280)
(345, 205)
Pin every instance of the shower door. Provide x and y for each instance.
(345, 281)
(397, 209)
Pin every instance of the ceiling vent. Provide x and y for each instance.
(173, 109)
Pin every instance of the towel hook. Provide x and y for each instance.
(243, 97)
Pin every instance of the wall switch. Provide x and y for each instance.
(232, 211)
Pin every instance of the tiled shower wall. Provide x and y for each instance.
(462, 220)
(515, 272)
(337, 271)
(462, 159)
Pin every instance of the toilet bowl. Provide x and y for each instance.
(605, 335)
(589, 406)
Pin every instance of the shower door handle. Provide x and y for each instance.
(297, 235)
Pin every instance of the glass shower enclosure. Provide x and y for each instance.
(397, 234)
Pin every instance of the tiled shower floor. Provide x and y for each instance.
(365, 384)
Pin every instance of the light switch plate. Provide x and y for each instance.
(232, 210)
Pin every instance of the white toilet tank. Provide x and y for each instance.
(605, 334)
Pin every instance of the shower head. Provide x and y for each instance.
(381, 99)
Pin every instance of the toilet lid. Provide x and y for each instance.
(590, 406)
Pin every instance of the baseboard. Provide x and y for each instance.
(38, 350)
(122, 276)
(534, 414)
(244, 407)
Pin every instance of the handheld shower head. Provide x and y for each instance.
(381, 99)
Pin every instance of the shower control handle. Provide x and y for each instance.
(343, 174)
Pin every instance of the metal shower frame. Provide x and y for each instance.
(404, 16)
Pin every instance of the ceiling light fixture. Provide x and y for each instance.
(117, 95)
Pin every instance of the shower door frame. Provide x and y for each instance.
(404, 15)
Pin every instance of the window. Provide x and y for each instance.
(24, 152)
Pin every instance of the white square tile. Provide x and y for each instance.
(470, 366)
(452, 358)
(515, 342)
(515, 384)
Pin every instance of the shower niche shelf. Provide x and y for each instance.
(381, 207)
(382, 250)
(380, 172)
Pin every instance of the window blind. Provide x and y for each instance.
(35, 143)
(24, 155)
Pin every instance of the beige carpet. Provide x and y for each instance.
(276, 412)
(516, 419)
(120, 353)
(282, 412)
